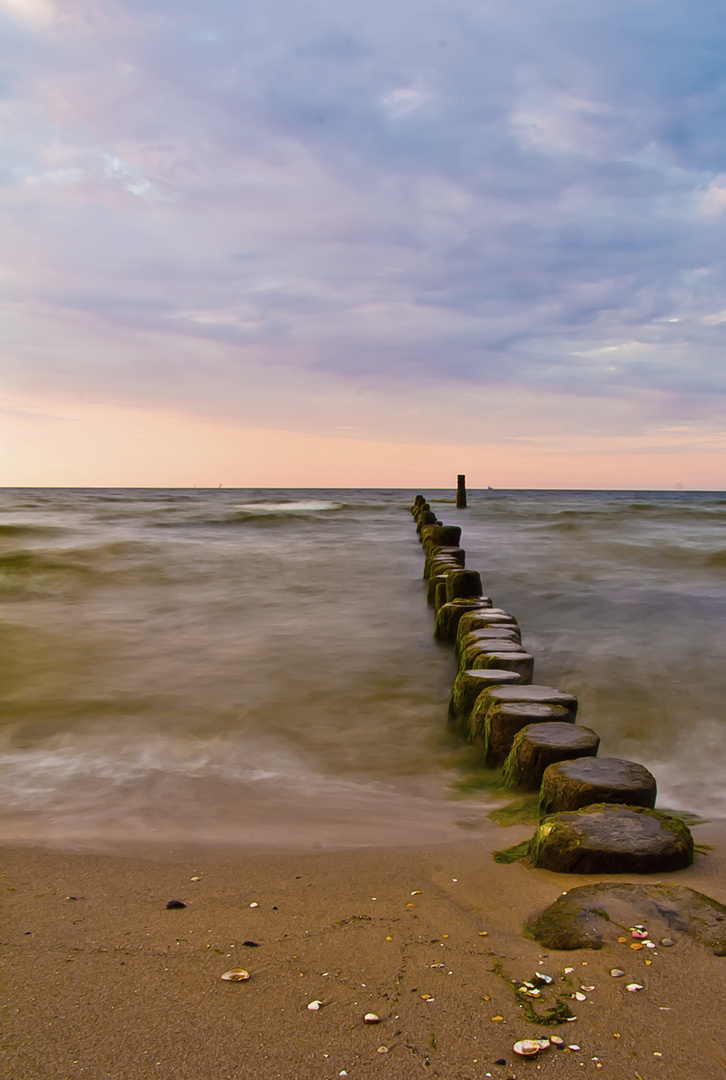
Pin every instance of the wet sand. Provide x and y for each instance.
(101, 980)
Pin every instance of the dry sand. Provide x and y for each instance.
(99, 979)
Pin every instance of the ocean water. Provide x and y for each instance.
(258, 666)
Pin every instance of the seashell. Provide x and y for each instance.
(195, 878)
(534, 993)
(568, 971)
(580, 997)
(254, 904)
(483, 933)
(667, 942)
(574, 1046)
(382, 1049)
(529, 985)
(622, 940)
(640, 935)
(172, 904)
(557, 1040)
(315, 1005)
(542, 977)
(530, 1047)
(235, 975)
(632, 987)
(497, 1019)
(416, 892)
(371, 1018)
(437, 966)
(588, 988)
(617, 973)
(650, 945)
(636, 945)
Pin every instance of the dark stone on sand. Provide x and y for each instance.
(590, 916)
(611, 839)
(505, 710)
(443, 565)
(439, 579)
(172, 904)
(539, 745)
(519, 661)
(496, 723)
(480, 620)
(451, 555)
(440, 593)
(497, 631)
(486, 645)
(568, 785)
(443, 535)
(426, 517)
(463, 584)
(251, 944)
(467, 687)
(449, 614)
(535, 695)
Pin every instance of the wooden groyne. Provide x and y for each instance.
(597, 815)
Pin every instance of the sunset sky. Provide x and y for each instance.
(339, 244)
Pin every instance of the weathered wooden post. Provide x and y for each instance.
(461, 492)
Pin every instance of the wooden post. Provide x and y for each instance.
(461, 492)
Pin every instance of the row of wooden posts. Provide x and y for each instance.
(597, 814)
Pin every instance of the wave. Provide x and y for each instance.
(306, 506)
(10, 529)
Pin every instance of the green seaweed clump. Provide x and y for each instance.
(517, 853)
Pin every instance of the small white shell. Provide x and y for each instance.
(530, 1047)
(235, 975)
(588, 988)
(371, 1018)
(557, 1040)
(315, 1005)
(580, 997)
(568, 971)
(632, 987)
(616, 973)
(573, 1046)
(382, 1049)
(542, 977)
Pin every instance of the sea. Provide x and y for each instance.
(257, 666)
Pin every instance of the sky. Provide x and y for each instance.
(333, 244)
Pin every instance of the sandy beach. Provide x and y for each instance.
(102, 980)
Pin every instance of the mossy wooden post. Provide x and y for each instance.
(461, 492)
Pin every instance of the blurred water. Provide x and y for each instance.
(258, 665)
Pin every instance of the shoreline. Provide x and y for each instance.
(112, 984)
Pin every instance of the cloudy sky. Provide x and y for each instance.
(327, 243)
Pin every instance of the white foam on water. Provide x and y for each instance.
(304, 506)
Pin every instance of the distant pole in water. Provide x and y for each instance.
(461, 492)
